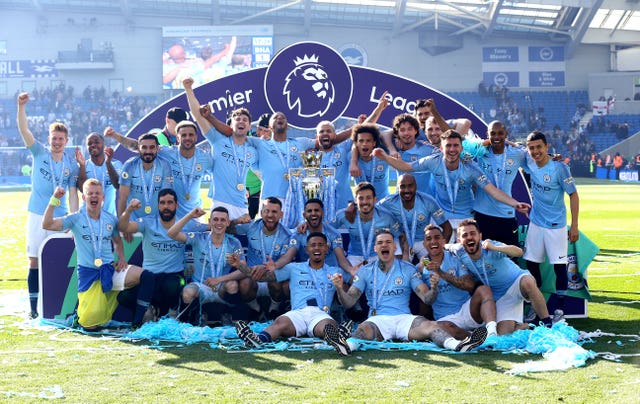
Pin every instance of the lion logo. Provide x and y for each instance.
(308, 88)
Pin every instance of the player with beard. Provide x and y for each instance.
(142, 177)
(368, 221)
(214, 279)
(459, 306)
(500, 162)
(100, 166)
(311, 295)
(163, 259)
(336, 153)
(188, 163)
(314, 223)
(453, 179)
(51, 168)
(270, 246)
(233, 155)
(388, 282)
(277, 155)
(433, 132)
(414, 210)
(489, 261)
(94, 230)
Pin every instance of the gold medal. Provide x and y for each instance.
(240, 187)
(187, 196)
(147, 209)
(286, 176)
(411, 252)
(326, 309)
(425, 261)
(97, 262)
(373, 312)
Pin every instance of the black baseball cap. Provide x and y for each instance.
(177, 114)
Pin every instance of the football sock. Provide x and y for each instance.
(32, 284)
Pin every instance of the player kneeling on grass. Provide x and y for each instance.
(311, 295)
(459, 306)
(490, 262)
(215, 279)
(93, 228)
(387, 283)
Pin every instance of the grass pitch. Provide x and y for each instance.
(90, 369)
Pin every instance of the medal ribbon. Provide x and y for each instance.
(498, 176)
(241, 170)
(97, 253)
(366, 246)
(57, 182)
(453, 193)
(414, 221)
(187, 184)
(321, 288)
(377, 296)
(147, 191)
(215, 265)
(273, 244)
(280, 155)
(95, 173)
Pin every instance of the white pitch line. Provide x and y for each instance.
(591, 276)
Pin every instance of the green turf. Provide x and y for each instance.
(91, 369)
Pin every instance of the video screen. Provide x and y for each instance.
(208, 53)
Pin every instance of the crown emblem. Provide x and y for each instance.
(305, 60)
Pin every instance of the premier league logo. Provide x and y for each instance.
(309, 76)
(308, 82)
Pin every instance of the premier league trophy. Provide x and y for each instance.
(310, 181)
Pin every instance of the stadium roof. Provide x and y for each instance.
(568, 22)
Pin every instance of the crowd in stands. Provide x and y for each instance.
(90, 111)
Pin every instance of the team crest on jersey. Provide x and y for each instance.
(308, 82)
(421, 217)
(66, 172)
(276, 247)
(510, 162)
(546, 178)
(249, 155)
(293, 242)
(337, 155)
(109, 227)
(414, 158)
(398, 281)
(125, 175)
(379, 167)
(294, 148)
(198, 167)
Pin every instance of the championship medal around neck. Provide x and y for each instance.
(373, 312)
(240, 187)
(325, 308)
(147, 209)
(97, 262)
(187, 196)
